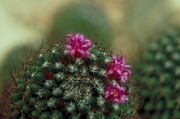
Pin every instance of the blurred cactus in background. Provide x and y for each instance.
(73, 79)
(84, 18)
(13, 59)
(10, 64)
(157, 74)
(144, 18)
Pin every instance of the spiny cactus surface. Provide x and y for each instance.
(73, 79)
(158, 76)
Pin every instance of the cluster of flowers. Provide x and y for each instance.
(74, 78)
(117, 71)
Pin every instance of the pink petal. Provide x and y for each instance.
(81, 52)
(110, 72)
(79, 36)
(122, 60)
(80, 40)
(119, 72)
(122, 89)
(87, 53)
(73, 39)
(87, 40)
(123, 99)
(129, 72)
(118, 86)
(117, 100)
(114, 57)
(84, 46)
(72, 52)
(89, 44)
(68, 47)
(125, 73)
(127, 66)
(109, 87)
(122, 78)
(107, 94)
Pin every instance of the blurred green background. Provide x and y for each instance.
(126, 26)
(82, 18)
(157, 74)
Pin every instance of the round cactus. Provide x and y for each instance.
(73, 79)
(158, 76)
(13, 59)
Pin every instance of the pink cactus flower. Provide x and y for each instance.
(118, 69)
(78, 46)
(116, 94)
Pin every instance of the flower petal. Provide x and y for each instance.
(118, 69)
(72, 52)
(68, 47)
(110, 72)
(78, 45)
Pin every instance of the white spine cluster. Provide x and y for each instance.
(57, 91)
(100, 101)
(45, 64)
(48, 83)
(71, 107)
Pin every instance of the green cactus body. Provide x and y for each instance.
(158, 76)
(56, 85)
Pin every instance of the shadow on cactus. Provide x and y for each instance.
(84, 18)
(158, 76)
(73, 79)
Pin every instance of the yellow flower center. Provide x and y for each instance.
(114, 93)
(116, 67)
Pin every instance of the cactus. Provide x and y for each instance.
(72, 79)
(157, 76)
(13, 59)
(84, 18)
